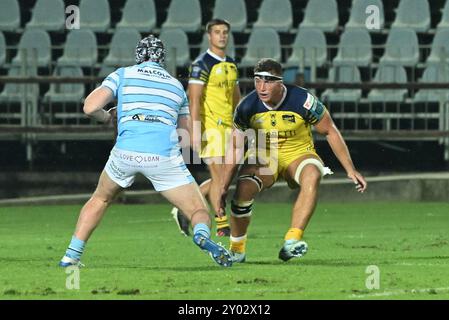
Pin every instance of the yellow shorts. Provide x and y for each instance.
(277, 164)
(215, 137)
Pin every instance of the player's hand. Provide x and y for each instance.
(222, 202)
(359, 181)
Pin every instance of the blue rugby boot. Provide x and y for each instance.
(219, 254)
(68, 262)
(293, 249)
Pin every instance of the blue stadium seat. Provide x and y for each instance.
(17, 92)
(309, 47)
(440, 47)
(413, 14)
(321, 14)
(358, 15)
(2, 49)
(234, 11)
(65, 92)
(95, 15)
(9, 15)
(444, 22)
(389, 73)
(139, 15)
(262, 43)
(48, 15)
(184, 14)
(80, 49)
(354, 48)
(401, 47)
(36, 44)
(436, 73)
(343, 74)
(177, 45)
(122, 48)
(276, 14)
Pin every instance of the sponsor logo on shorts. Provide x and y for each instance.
(138, 159)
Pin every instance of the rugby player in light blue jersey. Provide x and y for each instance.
(151, 105)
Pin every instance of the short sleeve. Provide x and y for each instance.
(184, 109)
(314, 109)
(112, 82)
(198, 73)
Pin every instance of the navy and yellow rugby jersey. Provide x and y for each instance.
(219, 77)
(290, 123)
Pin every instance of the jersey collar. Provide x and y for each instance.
(284, 94)
(216, 56)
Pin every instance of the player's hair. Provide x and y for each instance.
(269, 65)
(216, 22)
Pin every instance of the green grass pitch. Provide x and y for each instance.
(138, 253)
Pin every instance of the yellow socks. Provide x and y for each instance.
(222, 222)
(294, 234)
(238, 244)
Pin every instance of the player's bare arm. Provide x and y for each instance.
(236, 97)
(184, 129)
(195, 92)
(96, 101)
(327, 127)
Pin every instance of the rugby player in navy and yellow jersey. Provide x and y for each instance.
(213, 93)
(280, 117)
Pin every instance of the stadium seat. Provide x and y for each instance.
(354, 48)
(122, 48)
(66, 92)
(184, 14)
(440, 47)
(262, 43)
(343, 73)
(16, 92)
(36, 44)
(444, 22)
(413, 14)
(80, 49)
(276, 14)
(139, 15)
(321, 14)
(234, 11)
(9, 15)
(230, 50)
(309, 47)
(433, 74)
(401, 48)
(2, 49)
(177, 45)
(358, 15)
(389, 73)
(48, 15)
(95, 15)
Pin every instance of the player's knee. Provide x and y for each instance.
(252, 178)
(310, 176)
(241, 209)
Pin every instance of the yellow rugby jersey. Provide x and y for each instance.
(288, 126)
(219, 77)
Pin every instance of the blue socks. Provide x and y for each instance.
(75, 249)
(201, 229)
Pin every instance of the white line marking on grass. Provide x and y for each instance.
(399, 292)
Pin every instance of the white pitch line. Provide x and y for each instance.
(399, 292)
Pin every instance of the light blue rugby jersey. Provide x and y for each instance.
(149, 90)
